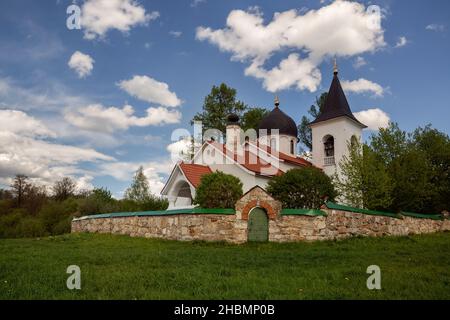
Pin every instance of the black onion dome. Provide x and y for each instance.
(233, 118)
(277, 119)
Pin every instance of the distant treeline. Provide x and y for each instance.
(29, 210)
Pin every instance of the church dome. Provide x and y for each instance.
(277, 119)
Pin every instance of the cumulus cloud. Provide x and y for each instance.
(98, 118)
(435, 27)
(81, 63)
(359, 62)
(341, 28)
(100, 16)
(150, 90)
(18, 122)
(363, 86)
(374, 119)
(154, 171)
(26, 148)
(401, 42)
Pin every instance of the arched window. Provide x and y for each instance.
(273, 144)
(292, 147)
(328, 147)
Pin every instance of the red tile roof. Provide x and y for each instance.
(194, 172)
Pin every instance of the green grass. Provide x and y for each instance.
(119, 267)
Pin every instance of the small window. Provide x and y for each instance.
(329, 146)
(292, 147)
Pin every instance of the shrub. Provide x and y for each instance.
(302, 188)
(218, 190)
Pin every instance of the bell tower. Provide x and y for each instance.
(333, 129)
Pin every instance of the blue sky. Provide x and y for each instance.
(47, 130)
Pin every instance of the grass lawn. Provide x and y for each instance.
(120, 267)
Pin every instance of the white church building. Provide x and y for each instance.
(256, 157)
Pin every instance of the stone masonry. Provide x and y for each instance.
(282, 228)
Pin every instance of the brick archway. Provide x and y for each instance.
(258, 197)
(258, 204)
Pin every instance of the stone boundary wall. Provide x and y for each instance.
(284, 228)
(209, 225)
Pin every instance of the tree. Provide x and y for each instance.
(139, 190)
(364, 182)
(302, 188)
(63, 189)
(220, 102)
(252, 117)
(304, 131)
(218, 190)
(435, 146)
(19, 186)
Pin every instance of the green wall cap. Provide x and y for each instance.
(303, 212)
(422, 216)
(335, 206)
(160, 213)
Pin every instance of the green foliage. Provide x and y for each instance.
(306, 188)
(304, 131)
(252, 117)
(139, 190)
(400, 172)
(218, 190)
(366, 184)
(220, 102)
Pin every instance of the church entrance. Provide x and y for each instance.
(258, 225)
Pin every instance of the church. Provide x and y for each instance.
(257, 156)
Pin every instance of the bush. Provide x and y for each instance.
(218, 190)
(306, 188)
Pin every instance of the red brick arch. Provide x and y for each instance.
(271, 213)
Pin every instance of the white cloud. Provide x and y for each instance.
(98, 118)
(179, 148)
(26, 149)
(18, 122)
(175, 34)
(154, 171)
(81, 63)
(150, 90)
(100, 16)
(359, 62)
(373, 118)
(435, 27)
(341, 28)
(363, 86)
(401, 42)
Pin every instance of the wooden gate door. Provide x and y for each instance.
(258, 225)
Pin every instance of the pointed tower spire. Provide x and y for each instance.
(335, 67)
(277, 102)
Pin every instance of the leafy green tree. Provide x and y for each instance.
(139, 190)
(304, 131)
(252, 117)
(302, 188)
(218, 104)
(435, 146)
(218, 190)
(364, 182)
